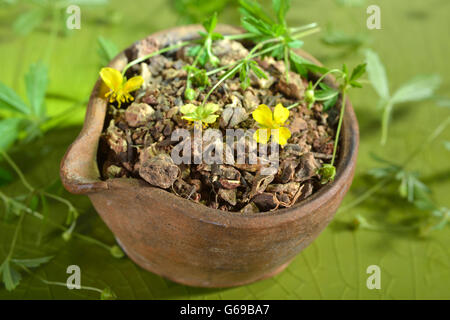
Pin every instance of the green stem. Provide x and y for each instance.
(163, 50)
(260, 53)
(366, 194)
(439, 129)
(225, 76)
(341, 118)
(385, 122)
(324, 75)
(54, 224)
(60, 284)
(17, 170)
(14, 240)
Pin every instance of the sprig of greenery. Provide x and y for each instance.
(348, 80)
(107, 50)
(417, 89)
(259, 23)
(203, 54)
(409, 187)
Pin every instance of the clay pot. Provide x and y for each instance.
(187, 242)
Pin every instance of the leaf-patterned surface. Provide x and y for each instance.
(412, 41)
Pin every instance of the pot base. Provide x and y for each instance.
(142, 262)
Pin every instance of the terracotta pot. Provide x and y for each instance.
(190, 243)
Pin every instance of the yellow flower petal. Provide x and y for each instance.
(112, 78)
(281, 135)
(280, 114)
(133, 84)
(262, 135)
(263, 115)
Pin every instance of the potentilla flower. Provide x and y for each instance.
(119, 86)
(268, 122)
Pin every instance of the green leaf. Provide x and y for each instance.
(107, 50)
(281, 7)
(11, 278)
(36, 81)
(9, 100)
(250, 8)
(257, 26)
(377, 74)
(358, 71)
(29, 20)
(419, 88)
(9, 131)
(257, 70)
(326, 93)
(330, 103)
(31, 263)
(302, 65)
(210, 23)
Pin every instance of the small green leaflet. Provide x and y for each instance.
(302, 65)
(36, 81)
(250, 8)
(9, 131)
(32, 263)
(9, 100)
(29, 21)
(418, 88)
(107, 50)
(281, 7)
(377, 74)
(10, 276)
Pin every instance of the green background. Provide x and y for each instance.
(413, 40)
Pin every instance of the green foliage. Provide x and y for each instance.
(107, 50)
(203, 52)
(415, 191)
(204, 114)
(339, 38)
(417, 89)
(192, 11)
(198, 77)
(244, 68)
(255, 21)
(38, 13)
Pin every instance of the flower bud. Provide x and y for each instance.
(190, 94)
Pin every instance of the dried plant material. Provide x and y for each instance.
(229, 195)
(138, 114)
(260, 184)
(266, 201)
(116, 138)
(159, 171)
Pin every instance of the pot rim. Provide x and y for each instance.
(80, 174)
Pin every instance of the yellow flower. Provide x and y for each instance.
(119, 86)
(271, 124)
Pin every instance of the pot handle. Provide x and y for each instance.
(79, 170)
